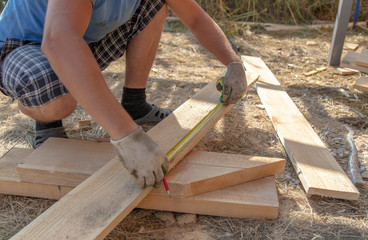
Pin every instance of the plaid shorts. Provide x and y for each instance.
(26, 74)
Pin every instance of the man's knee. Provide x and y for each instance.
(57, 109)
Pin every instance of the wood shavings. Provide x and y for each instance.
(320, 69)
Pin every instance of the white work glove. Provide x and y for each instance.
(235, 83)
(142, 157)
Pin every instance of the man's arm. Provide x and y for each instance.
(75, 65)
(210, 36)
(207, 32)
(73, 62)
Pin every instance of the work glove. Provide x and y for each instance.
(235, 83)
(142, 157)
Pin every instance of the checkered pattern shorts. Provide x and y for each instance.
(26, 74)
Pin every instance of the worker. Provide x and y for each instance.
(53, 52)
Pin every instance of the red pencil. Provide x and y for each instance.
(166, 187)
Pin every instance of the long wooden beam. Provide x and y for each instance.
(317, 169)
(96, 206)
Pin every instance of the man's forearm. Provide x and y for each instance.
(211, 37)
(74, 64)
(207, 32)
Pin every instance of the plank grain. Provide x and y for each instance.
(317, 169)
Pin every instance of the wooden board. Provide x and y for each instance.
(346, 71)
(256, 199)
(361, 84)
(351, 46)
(362, 60)
(201, 172)
(11, 184)
(349, 62)
(99, 203)
(62, 162)
(317, 169)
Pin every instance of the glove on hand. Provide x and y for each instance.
(235, 83)
(142, 157)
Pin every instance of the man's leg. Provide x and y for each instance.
(55, 110)
(140, 54)
(28, 77)
(141, 51)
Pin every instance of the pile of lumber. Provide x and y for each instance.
(98, 192)
(359, 62)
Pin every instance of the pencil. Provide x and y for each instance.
(166, 187)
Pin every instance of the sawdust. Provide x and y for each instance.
(181, 69)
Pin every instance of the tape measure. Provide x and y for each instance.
(189, 136)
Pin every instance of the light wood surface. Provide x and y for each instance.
(346, 71)
(362, 84)
(11, 184)
(255, 199)
(362, 60)
(99, 203)
(317, 169)
(62, 162)
(201, 172)
(349, 62)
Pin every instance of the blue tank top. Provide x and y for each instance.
(25, 19)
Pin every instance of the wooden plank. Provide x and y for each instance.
(351, 46)
(11, 184)
(99, 203)
(317, 70)
(362, 60)
(349, 62)
(62, 162)
(361, 84)
(317, 169)
(255, 199)
(346, 71)
(201, 172)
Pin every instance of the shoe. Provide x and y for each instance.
(42, 135)
(155, 116)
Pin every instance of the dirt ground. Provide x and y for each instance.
(182, 67)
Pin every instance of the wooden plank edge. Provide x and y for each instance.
(224, 205)
(179, 190)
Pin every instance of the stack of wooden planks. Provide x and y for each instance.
(358, 61)
(205, 183)
(355, 60)
(98, 192)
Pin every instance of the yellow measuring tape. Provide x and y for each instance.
(189, 136)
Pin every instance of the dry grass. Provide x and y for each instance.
(281, 11)
(181, 68)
